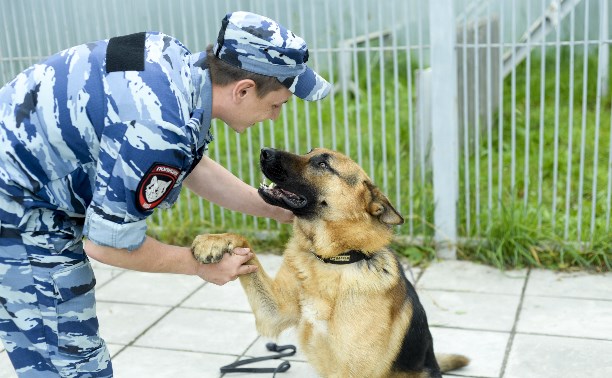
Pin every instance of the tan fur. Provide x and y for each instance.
(351, 319)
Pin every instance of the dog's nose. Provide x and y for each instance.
(267, 154)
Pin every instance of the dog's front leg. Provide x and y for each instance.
(274, 302)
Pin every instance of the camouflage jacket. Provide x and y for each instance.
(95, 137)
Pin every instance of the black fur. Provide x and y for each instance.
(416, 352)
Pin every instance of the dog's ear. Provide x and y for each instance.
(381, 208)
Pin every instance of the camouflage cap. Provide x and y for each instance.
(258, 44)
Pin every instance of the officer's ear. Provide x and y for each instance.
(241, 89)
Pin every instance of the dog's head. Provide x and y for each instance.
(323, 185)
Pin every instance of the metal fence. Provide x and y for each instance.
(460, 111)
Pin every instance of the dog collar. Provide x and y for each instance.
(349, 257)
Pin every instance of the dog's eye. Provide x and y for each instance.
(323, 165)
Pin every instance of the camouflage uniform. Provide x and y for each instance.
(92, 139)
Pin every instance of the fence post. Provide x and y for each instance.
(445, 135)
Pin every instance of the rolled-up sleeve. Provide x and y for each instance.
(103, 232)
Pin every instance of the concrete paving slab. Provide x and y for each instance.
(476, 278)
(122, 323)
(558, 357)
(113, 349)
(485, 350)
(566, 317)
(574, 284)
(149, 288)
(228, 297)
(490, 312)
(562, 330)
(202, 331)
(103, 276)
(164, 363)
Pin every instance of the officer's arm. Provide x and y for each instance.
(212, 181)
(154, 256)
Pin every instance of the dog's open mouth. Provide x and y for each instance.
(278, 194)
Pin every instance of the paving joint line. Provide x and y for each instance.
(517, 316)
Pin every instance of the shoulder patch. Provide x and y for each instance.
(156, 185)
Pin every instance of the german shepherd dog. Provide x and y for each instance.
(356, 313)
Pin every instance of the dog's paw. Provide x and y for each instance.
(209, 249)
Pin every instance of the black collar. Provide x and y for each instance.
(349, 257)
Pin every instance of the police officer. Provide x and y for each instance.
(96, 137)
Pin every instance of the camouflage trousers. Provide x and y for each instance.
(48, 320)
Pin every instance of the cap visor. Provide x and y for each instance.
(310, 86)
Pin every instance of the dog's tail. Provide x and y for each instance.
(448, 362)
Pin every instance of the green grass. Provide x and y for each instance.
(517, 231)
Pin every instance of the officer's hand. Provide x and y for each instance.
(228, 268)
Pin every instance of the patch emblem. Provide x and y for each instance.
(156, 185)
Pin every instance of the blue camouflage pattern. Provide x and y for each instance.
(48, 321)
(258, 44)
(75, 143)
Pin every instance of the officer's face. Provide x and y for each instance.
(256, 109)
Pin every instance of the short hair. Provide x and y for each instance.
(223, 73)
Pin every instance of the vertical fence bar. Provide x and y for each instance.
(383, 115)
(477, 123)
(305, 104)
(343, 77)
(372, 172)
(410, 123)
(513, 188)
(570, 132)
(295, 104)
(500, 123)
(585, 80)
(541, 125)
(357, 93)
(556, 125)
(316, 58)
(598, 92)
(444, 125)
(332, 95)
(421, 126)
(466, 130)
(526, 175)
(489, 94)
(396, 111)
